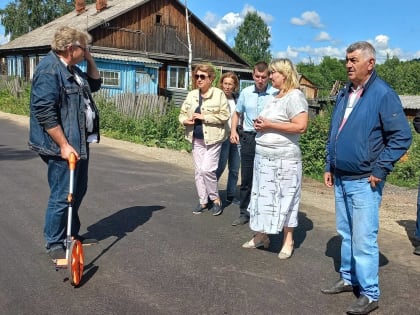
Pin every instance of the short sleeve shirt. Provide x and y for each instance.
(251, 103)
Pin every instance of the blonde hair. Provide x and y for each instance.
(232, 76)
(66, 36)
(286, 67)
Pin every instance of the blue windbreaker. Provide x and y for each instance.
(375, 135)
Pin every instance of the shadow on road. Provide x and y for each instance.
(116, 225)
(410, 228)
(334, 251)
(299, 234)
(7, 153)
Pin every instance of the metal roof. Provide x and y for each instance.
(410, 101)
(146, 61)
(43, 35)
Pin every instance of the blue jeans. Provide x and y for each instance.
(417, 233)
(229, 154)
(56, 213)
(357, 219)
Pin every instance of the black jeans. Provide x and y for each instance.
(247, 140)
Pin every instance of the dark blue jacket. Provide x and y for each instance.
(56, 99)
(375, 135)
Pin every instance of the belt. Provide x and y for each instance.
(250, 132)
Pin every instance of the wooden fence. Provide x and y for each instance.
(14, 85)
(137, 105)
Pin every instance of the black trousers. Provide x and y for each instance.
(247, 140)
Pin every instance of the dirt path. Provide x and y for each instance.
(397, 214)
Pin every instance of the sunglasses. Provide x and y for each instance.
(201, 76)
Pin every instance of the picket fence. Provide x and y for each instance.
(137, 105)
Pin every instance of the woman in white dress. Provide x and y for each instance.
(276, 187)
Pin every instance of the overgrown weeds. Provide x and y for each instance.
(166, 132)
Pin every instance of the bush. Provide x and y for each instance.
(150, 130)
(167, 132)
(313, 144)
(406, 172)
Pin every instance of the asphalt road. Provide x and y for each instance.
(156, 257)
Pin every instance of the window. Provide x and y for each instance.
(158, 18)
(15, 66)
(110, 78)
(32, 65)
(177, 77)
(245, 83)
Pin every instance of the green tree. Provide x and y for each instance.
(403, 76)
(325, 74)
(388, 71)
(22, 16)
(253, 39)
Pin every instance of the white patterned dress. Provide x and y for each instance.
(277, 180)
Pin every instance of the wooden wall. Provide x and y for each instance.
(159, 27)
(307, 87)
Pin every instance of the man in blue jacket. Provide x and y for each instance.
(369, 132)
(64, 120)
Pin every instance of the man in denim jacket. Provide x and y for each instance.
(63, 120)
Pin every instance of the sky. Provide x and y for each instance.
(308, 30)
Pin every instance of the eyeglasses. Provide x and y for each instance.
(87, 48)
(201, 76)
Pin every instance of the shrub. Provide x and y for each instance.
(150, 130)
(313, 144)
(167, 132)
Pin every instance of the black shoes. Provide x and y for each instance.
(216, 209)
(240, 221)
(362, 306)
(56, 251)
(338, 287)
(200, 208)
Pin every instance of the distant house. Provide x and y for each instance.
(140, 46)
(411, 104)
(308, 87)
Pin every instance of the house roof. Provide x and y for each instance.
(42, 36)
(146, 61)
(410, 101)
(91, 19)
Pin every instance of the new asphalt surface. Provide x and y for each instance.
(156, 257)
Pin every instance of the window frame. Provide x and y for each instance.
(171, 70)
(107, 81)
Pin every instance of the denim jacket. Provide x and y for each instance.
(56, 99)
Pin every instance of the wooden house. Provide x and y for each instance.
(140, 46)
(308, 87)
(411, 105)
